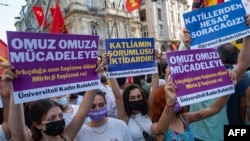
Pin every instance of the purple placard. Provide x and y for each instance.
(52, 64)
(199, 75)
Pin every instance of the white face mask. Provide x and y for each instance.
(63, 101)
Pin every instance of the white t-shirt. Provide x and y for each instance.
(135, 129)
(113, 130)
(2, 135)
(68, 118)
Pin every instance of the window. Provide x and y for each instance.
(163, 48)
(107, 30)
(126, 30)
(142, 14)
(116, 30)
(172, 31)
(161, 30)
(159, 14)
(132, 32)
(172, 16)
(179, 18)
(122, 5)
(90, 3)
(105, 3)
(144, 31)
(142, 2)
(66, 2)
(113, 4)
(94, 29)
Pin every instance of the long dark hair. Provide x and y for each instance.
(126, 94)
(102, 94)
(38, 111)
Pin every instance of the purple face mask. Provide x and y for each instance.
(99, 114)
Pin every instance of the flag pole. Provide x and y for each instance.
(45, 17)
(115, 19)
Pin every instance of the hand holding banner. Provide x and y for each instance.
(199, 75)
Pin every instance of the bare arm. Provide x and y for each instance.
(16, 121)
(122, 114)
(75, 125)
(155, 85)
(244, 57)
(207, 112)
(166, 117)
(5, 95)
(155, 80)
(213, 109)
(5, 125)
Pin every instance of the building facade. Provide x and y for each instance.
(161, 19)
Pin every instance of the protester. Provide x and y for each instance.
(178, 128)
(229, 55)
(46, 115)
(69, 112)
(242, 66)
(102, 128)
(132, 107)
(245, 102)
(230, 114)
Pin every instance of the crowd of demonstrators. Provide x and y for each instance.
(123, 112)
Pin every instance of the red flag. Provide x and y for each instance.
(58, 25)
(52, 11)
(38, 11)
(132, 5)
(205, 3)
(3, 54)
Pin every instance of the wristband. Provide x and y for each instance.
(169, 106)
(176, 107)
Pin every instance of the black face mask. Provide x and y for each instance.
(55, 128)
(137, 105)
